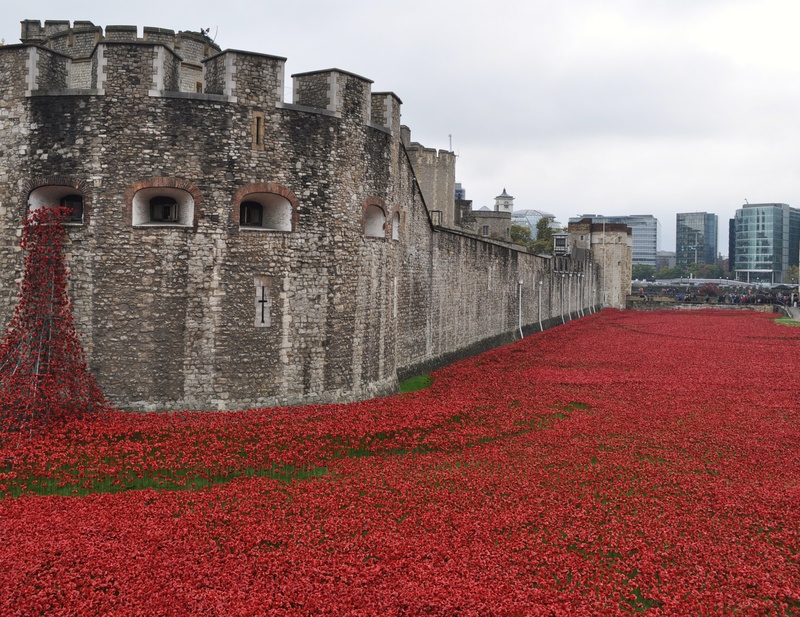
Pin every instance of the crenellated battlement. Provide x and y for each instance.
(82, 59)
(78, 41)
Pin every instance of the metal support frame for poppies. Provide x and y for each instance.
(43, 372)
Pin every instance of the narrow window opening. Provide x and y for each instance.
(198, 87)
(251, 214)
(75, 204)
(396, 226)
(263, 302)
(258, 130)
(163, 209)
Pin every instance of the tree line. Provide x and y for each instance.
(543, 243)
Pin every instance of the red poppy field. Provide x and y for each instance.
(624, 463)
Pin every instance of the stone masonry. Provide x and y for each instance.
(236, 250)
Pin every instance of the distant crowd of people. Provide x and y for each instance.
(748, 296)
(762, 298)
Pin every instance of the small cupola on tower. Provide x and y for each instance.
(504, 202)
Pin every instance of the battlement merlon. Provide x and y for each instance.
(337, 91)
(245, 77)
(386, 111)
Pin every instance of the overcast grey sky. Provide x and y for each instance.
(573, 106)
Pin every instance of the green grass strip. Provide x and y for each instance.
(416, 383)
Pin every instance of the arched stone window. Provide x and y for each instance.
(51, 196)
(269, 211)
(263, 206)
(374, 221)
(396, 226)
(162, 206)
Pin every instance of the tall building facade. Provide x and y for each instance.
(767, 242)
(646, 232)
(696, 238)
(665, 259)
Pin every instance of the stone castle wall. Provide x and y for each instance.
(207, 313)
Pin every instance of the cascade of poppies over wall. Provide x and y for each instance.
(43, 371)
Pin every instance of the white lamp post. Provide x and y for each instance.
(569, 296)
(540, 305)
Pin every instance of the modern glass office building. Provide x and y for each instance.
(645, 230)
(529, 218)
(696, 238)
(767, 242)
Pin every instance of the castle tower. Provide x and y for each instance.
(435, 171)
(504, 202)
(609, 246)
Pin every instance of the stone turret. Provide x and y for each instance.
(610, 247)
(436, 173)
(504, 202)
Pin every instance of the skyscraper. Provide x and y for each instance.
(696, 238)
(767, 242)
